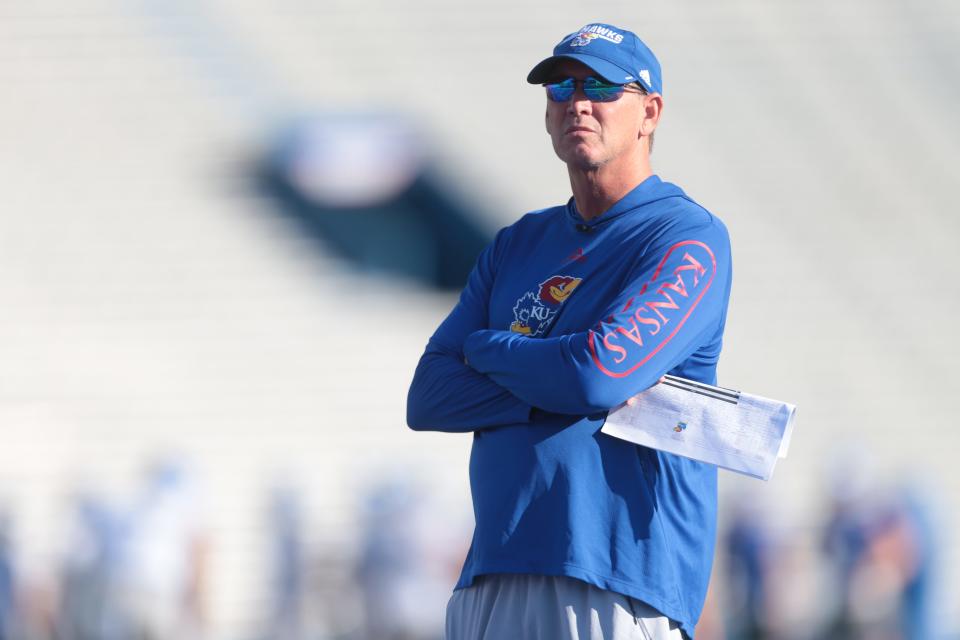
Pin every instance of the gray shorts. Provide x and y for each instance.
(531, 607)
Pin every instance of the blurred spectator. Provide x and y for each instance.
(749, 549)
(852, 506)
(892, 582)
(404, 571)
(921, 587)
(881, 547)
(7, 601)
(289, 565)
(87, 609)
(165, 560)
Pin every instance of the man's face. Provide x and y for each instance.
(588, 135)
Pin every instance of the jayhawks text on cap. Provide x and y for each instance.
(616, 55)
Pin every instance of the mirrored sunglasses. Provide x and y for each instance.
(594, 89)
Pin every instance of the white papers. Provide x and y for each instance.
(737, 431)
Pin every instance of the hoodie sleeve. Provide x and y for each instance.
(671, 306)
(448, 395)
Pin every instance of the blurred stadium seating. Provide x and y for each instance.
(151, 303)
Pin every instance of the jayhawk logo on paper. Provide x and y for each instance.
(535, 310)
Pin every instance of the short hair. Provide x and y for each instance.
(643, 91)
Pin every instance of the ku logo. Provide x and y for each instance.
(535, 310)
(583, 39)
(591, 32)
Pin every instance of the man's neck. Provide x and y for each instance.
(597, 189)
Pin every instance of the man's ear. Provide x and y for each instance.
(652, 110)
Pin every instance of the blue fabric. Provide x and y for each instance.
(560, 321)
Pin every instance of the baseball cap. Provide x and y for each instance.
(617, 55)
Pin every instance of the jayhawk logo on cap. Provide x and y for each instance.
(535, 310)
(591, 32)
(583, 39)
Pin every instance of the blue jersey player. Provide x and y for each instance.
(569, 312)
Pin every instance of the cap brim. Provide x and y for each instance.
(606, 70)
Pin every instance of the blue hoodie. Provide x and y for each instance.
(560, 321)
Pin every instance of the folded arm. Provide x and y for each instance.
(448, 395)
(664, 314)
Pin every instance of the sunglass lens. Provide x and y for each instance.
(599, 91)
(561, 91)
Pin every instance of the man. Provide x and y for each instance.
(571, 311)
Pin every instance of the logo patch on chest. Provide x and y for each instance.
(535, 310)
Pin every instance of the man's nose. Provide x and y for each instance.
(578, 102)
